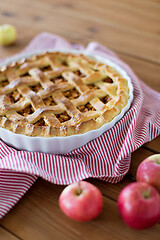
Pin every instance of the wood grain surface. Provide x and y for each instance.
(132, 30)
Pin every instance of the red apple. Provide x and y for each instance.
(149, 171)
(139, 205)
(81, 201)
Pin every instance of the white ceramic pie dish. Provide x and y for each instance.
(62, 145)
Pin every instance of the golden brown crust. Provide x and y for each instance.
(59, 94)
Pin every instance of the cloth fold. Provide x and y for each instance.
(111, 160)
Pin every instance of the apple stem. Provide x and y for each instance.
(146, 194)
(79, 190)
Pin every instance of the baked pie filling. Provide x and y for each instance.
(59, 94)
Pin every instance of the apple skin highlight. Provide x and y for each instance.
(149, 171)
(139, 205)
(81, 201)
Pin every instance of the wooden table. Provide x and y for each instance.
(132, 30)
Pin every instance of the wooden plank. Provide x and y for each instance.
(5, 235)
(124, 27)
(154, 145)
(146, 71)
(38, 217)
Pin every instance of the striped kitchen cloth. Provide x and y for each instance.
(111, 160)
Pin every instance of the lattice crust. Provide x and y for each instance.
(59, 94)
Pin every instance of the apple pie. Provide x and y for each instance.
(59, 94)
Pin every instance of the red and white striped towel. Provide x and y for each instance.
(111, 160)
